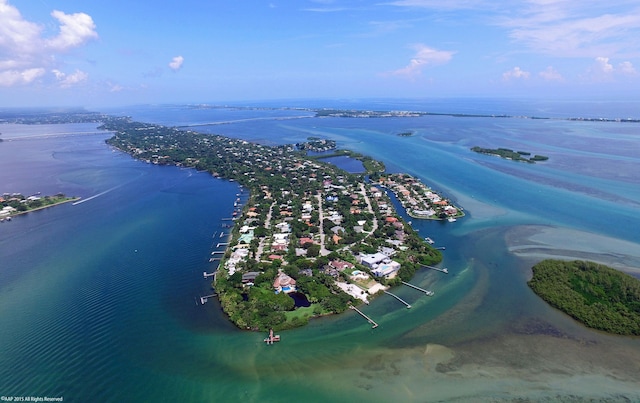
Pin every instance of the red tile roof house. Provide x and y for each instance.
(341, 265)
(305, 240)
(284, 283)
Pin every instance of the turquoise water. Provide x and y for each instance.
(100, 300)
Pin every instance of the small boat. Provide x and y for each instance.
(451, 219)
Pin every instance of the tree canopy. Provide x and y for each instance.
(598, 296)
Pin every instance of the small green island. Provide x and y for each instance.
(598, 296)
(12, 204)
(521, 156)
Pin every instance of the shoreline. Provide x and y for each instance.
(43, 207)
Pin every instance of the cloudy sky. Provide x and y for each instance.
(98, 52)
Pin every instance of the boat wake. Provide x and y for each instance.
(94, 196)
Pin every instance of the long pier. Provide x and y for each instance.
(364, 316)
(398, 298)
(445, 271)
(429, 293)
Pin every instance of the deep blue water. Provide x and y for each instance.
(99, 300)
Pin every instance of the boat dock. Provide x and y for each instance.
(398, 298)
(272, 337)
(205, 274)
(222, 244)
(436, 268)
(203, 300)
(364, 316)
(429, 293)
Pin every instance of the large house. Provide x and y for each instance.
(284, 283)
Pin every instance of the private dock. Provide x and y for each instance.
(272, 337)
(364, 316)
(222, 244)
(398, 298)
(208, 274)
(217, 252)
(436, 268)
(429, 293)
(203, 300)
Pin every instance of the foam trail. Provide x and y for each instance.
(94, 196)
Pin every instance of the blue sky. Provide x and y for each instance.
(102, 53)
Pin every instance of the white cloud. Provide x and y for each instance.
(176, 63)
(627, 68)
(75, 30)
(9, 78)
(25, 54)
(550, 74)
(603, 70)
(114, 87)
(603, 66)
(68, 80)
(569, 28)
(425, 56)
(515, 73)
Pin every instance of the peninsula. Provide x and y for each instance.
(12, 204)
(310, 240)
(598, 296)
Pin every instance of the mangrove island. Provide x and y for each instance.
(521, 156)
(598, 296)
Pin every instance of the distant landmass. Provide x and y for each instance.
(507, 153)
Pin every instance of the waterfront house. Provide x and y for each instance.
(284, 283)
(372, 260)
(386, 269)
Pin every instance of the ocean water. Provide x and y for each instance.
(100, 300)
